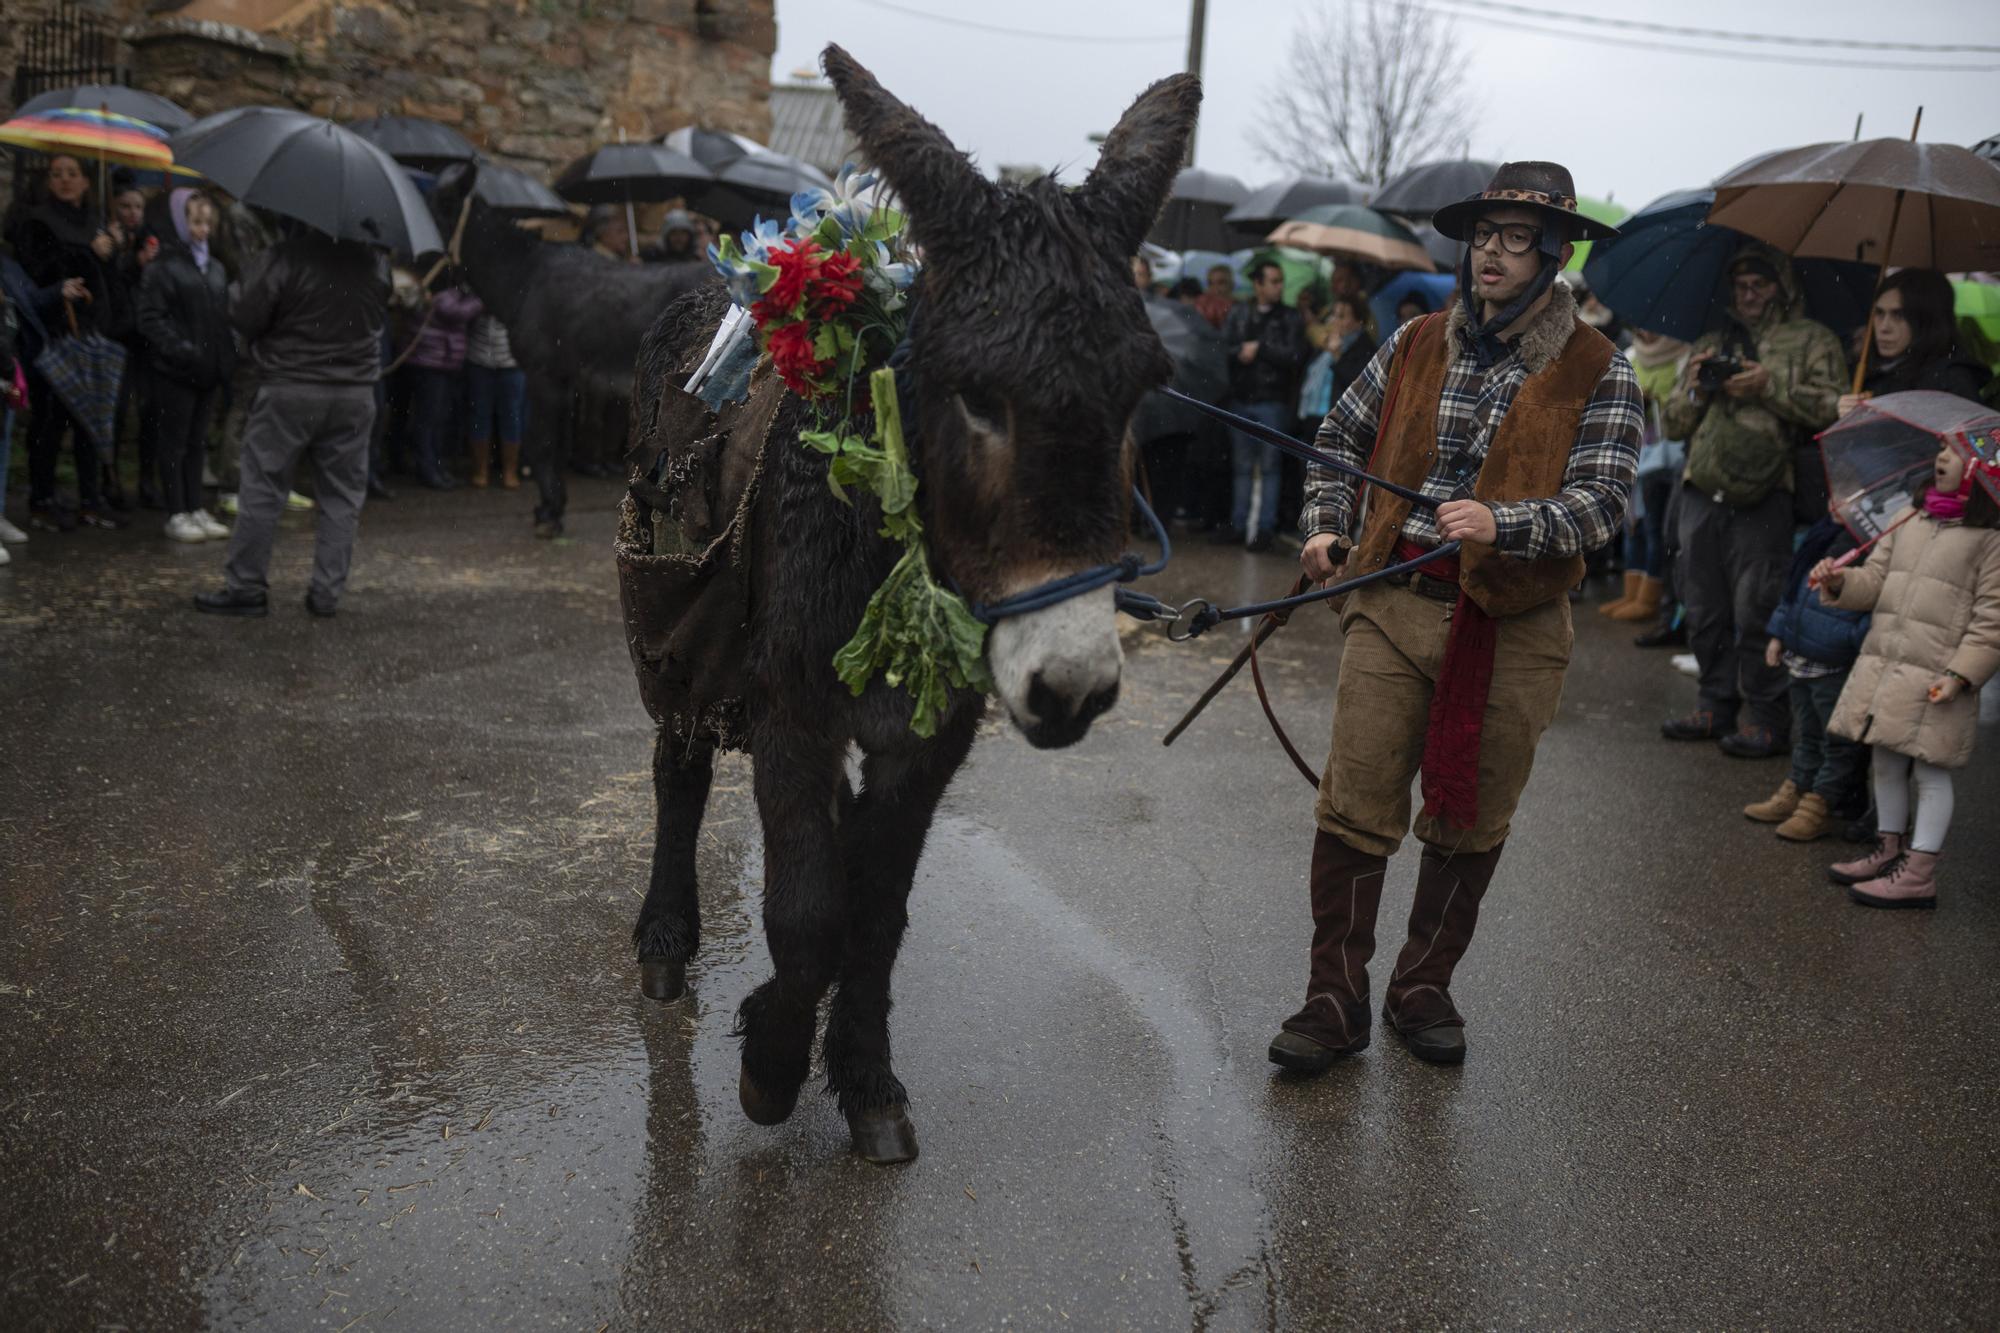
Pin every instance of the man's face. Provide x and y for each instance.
(1142, 274)
(1221, 282)
(1754, 292)
(1270, 285)
(1499, 276)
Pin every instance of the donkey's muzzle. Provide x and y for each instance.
(1057, 669)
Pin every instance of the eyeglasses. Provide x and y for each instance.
(1516, 238)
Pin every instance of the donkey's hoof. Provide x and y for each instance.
(883, 1136)
(662, 978)
(765, 1109)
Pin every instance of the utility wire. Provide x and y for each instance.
(1721, 34)
(1752, 57)
(1105, 39)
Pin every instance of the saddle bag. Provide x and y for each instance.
(684, 554)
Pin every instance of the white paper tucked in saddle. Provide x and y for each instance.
(736, 330)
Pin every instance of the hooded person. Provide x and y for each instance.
(677, 240)
(1520, 426)
(183, 316)
(1752, 392)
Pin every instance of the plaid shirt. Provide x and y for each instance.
(1585, 515)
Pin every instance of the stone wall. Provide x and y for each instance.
(533, 82)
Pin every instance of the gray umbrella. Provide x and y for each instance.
(516, 193)
(312, 170)
(1423, 190)
(416, 142)
(750, 179)
(113, 97)
(1193, 217)
(1284, 200)
(632, 173)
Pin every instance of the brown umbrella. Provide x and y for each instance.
(1353, 231)
(1888, 202)
(1840, 201)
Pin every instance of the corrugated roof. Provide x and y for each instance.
(806, 123)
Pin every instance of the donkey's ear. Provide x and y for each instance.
(1135, 170)
(942, 191)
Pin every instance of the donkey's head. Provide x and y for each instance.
(1031, 348)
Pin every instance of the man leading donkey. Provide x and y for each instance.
(1522, 424)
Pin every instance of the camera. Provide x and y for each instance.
(1711, 373)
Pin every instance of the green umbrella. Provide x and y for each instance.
(1977, 305)
(1603, 210)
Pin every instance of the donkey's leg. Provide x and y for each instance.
(799, 784)
(881, 844)
(669, 928)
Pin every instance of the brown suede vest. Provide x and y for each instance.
(1525, 460)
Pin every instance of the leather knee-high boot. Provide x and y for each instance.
(1442, 918)
(1346, 893)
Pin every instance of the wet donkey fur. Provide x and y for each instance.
(1030, 351)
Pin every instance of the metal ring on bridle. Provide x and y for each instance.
(1189, 622)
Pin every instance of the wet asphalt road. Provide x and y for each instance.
(317, 1008)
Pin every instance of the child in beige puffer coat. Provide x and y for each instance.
(1934, 586)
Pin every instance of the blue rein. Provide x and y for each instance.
(1200, 615)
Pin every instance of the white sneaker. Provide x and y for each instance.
(10, 533)
(183, 528)
(210, 527)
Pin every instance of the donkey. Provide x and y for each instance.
(1030, 349)
(575, 320)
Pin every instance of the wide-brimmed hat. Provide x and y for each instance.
(1543, 186)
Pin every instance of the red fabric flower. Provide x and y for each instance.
(836, 285)
(791, 347)
(795, 264)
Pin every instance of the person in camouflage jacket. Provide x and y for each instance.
(1736, 512)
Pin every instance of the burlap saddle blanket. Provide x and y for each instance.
(686, 576)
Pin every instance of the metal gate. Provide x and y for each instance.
(70, 46)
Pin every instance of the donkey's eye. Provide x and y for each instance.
(984, 409)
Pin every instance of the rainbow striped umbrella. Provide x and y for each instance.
(103, 136)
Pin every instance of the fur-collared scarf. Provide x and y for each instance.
(1544, 338)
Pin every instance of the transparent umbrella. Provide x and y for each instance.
(1878, 455)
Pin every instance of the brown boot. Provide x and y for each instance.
(1645, 603)
(510, 467)
(1346, 892)
(482, 454)
(1777, 807)
(1617, 605)
(1418, 1005)
(1810, 822)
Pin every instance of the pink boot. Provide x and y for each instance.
(1888, 847)
(1911, 882)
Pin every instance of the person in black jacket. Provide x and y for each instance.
(61, 241)
(1265, 343)
(311, 311)
(183, 315)
(1914, 344)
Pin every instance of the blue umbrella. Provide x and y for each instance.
(1668, 271)
(1434, 288)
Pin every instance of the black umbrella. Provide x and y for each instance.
(632, 173)
(1193, 217)
(1423, 190)
(314, 171)
(112, 97)
(750, 178)
(516, 193)
(416, 142)
(1281, 201)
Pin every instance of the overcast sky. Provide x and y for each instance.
(1631, 123)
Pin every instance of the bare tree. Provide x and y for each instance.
(1370, 88)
